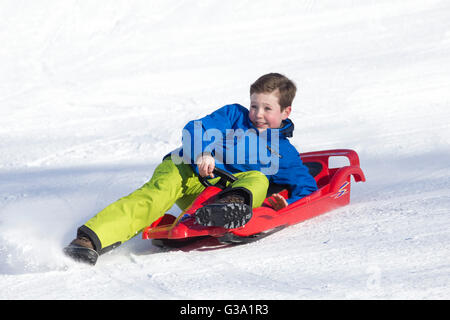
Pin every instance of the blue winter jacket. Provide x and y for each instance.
(237, 146)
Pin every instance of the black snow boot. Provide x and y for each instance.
(232, 209)
(82, 249)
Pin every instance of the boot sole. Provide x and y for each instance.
(81, 254)
(229, 215)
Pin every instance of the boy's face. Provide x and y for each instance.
(265, 111)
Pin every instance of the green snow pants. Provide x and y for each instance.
(170, 184)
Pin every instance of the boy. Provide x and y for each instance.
(175, 180)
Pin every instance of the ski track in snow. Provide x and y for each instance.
(93, 94)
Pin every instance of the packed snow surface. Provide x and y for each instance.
(94, 93)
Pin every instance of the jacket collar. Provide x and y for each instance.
(287, 128)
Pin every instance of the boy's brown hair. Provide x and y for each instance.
(271, 82)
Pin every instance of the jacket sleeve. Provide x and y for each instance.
(202, 135)
(295, 175)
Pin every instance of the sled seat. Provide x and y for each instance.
(319, 167)
(314, 167)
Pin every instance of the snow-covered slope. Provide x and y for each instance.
(94, 93)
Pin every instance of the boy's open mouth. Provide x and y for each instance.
(260, 124)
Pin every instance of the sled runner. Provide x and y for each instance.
(333, 192)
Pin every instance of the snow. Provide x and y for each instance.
(94, 93)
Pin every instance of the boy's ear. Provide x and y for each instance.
(286, 112)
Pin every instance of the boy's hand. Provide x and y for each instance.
(279, 203)
(206, 165)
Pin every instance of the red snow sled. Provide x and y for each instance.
(333, 192)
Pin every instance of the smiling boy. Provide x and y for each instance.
(270, 159)
(265, 113)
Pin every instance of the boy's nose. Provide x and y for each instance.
(259, 113)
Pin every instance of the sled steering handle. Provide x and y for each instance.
(224, 178)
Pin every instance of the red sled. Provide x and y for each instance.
(333, 192)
